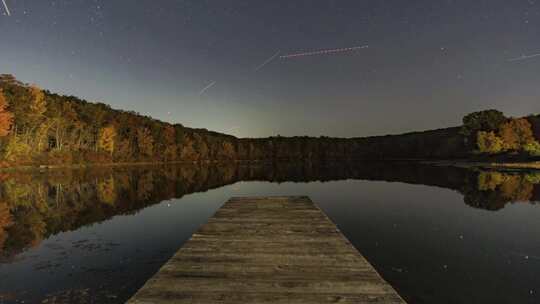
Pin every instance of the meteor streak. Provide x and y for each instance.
(267, 61)
(206, 88)
(324, 52)
(6, 7)
(524, 57)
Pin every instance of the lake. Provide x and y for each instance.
(437, 234)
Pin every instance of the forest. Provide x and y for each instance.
(38, 127)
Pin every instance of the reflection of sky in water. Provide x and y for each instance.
(424, 240)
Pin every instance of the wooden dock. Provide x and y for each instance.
(267, 250)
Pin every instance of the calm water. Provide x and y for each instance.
(439, 235)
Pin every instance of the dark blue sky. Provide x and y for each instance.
(428, 62)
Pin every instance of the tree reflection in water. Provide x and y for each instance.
(36, 205)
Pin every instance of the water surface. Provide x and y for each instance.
(437, 234)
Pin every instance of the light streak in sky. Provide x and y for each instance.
(267, 61)
(524, 57)
(324, 52)
(206, 88)
(6, 7)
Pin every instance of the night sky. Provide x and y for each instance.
(195, 61)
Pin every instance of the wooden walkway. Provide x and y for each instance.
(267, 250)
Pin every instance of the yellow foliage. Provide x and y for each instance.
(489, 180)
(533, 178)
(6, 117)
(107, 138)
(107, 191)
(513, 187)
(38, 106)
(16, 149)
(488, 142)
(533, 148)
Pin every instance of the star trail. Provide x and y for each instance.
(324, 52)
(524, 57)
(6, 8)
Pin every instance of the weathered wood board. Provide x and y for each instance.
(267, 250)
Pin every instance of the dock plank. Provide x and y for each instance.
(267, 250)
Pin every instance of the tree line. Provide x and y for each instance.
(38, 127)
(494, 133)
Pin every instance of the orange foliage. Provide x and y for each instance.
(515, 133)
(6, 117)
(5, 221)
(169, 134)
(517, 189)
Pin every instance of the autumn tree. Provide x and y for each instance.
(6, 117)
(516, 188)
(169, 135)
(488, 142)
(6, 220)
(532, 148)
(533, 178)
(17, 149)
(30, 114)
(106, 191)
(38, 104)
(123, 149)
(226, 150)
(99, 114)
(107, 137)
(62, 120)
(145, 186)
(515, 133)
(169, 142)
(489, 180)
(145, 141)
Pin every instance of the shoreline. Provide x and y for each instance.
(467, 164)
(119, 164)
(532, 165)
